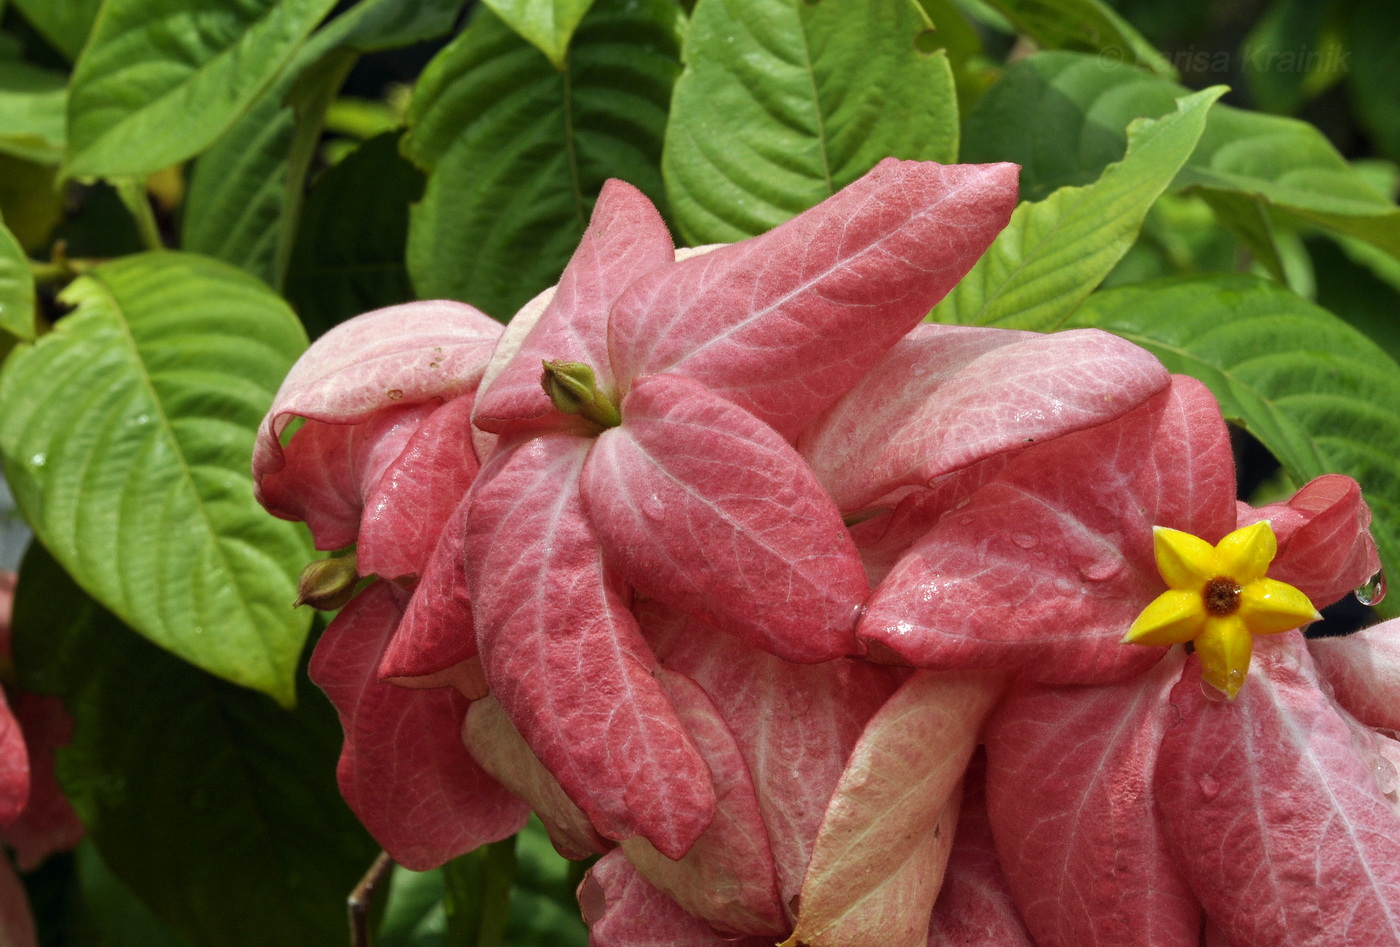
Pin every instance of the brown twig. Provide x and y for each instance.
(363, 896)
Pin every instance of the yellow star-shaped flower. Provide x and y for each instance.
(1218, 597)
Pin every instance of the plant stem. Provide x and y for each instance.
(132, 192)
(362, 897)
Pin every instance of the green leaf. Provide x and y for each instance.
(1288, 57)
(547, 24)
(1062, 116)
(111, 915)
(1054, 253)
(64, 23)
(1348, 285)
(236, 209)
(127, 439)
(16, 288)
(1086, 26)
(32, 103)
(157, 84)
(785, 102)
(1317, 393)
(215, 807)
(349, 255)
(517, 151)
(1373, 37)
(477, 896)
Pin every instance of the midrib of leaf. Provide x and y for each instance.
(187, 474)
(816, 99)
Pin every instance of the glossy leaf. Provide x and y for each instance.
(16, 288)
(1084, 25)
(127, 441)
(32, 103)
(1055, 252)
(1312, 389)
(155, 85)
(516, 151)
(169, 764)
(783, 103)
(547, 24)
(236, 208)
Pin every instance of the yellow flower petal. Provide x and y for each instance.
(1245, 554)
(1224, 648)
(1186, 562)
(1172, 618)
(1268, 607)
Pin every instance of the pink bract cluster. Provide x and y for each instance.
(740, 624)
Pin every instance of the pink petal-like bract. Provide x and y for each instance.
(403, 769)
(436, 632)
(884, 841)
(387, 358)
(500, 749)
(330, 470)
(1324, 546)
(1069, 795)
(417, 493)
(48, 823)
(1276, 821)
(727, 878)
(784, 323)
(946, 397)
(14, 766)
(623, 910)
(705, 508)
(564, 656)
(796, 724)
(1364, 672)
(626, 238)
(1045, 567)
(974, 906)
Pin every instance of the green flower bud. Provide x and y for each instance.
(327, 584)
(573, 389)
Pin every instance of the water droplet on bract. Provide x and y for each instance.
(917, 370)
(393, 394)
(1386, 777)
(1101, 570)
(654, 507)
(1212, 693)
(1024, 540)
(1372, 591)
(38, 460)
(1210, 787)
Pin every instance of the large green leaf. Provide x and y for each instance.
(236, 208)
(127, 438)
(32, 103)
(1055, 252)
(1084, 25)
(548, 24)
(64, 23)
(16, 288)
(1062, 116)
(516, 151)
(1318, 394)
(215, 807)
(111, 915)
(157, 83)
(784, 102)
(349, 255)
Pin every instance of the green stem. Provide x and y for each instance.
(132, 192)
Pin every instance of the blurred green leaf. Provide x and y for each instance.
(214, 806)
(349, 255)
(16, 288)
(517, 151)
(1317, 393)
(32, 103)
(29, 202)
(783, 102)
(1373, 37)
(1287, 58)
(111, 915)
(547, 24)
(477, 896)
(1084, 26)
(64, 23)
(1358, 293)
(157, 84)
(127, 438)
(1055, 252)
(414, 915)
(236, 208)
